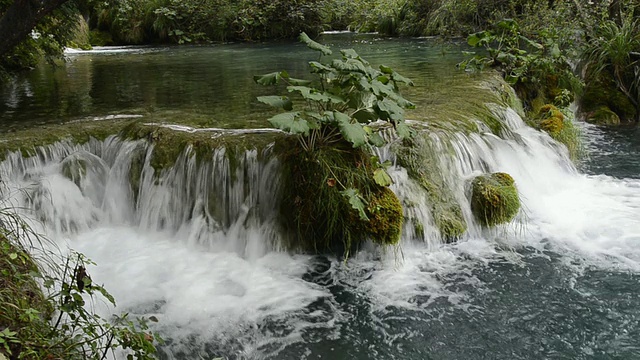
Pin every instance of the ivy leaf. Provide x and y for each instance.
(281, 102)
(314, 45)
(270, 78)
(381, 177)
(290, 122)
(356, 201)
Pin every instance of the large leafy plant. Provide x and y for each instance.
(347, 96)
(336, 187)
(525, 62)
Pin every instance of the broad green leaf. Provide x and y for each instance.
(270, 78)
(317, 67)
(314, 45)
(351, 54)
(389, 109)
(290, 122)
(402, 102)
(381, 177)
(316, 95)
(349, 65)
(386, 70)
(13, 256)
(281, 102)
(507, 24)
(364, 116)
(376, 140)
(353, 133)
(341, 118)
(379, 88)
(399, 78)
(356, 201)
(299, 82)
(403, 130)
(476, 39)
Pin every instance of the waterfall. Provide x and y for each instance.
(197, 244)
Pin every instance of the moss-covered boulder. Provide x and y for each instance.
(602, 93)
(385, 217)
(494, 199)
(603, 117)
(316, 209)
(551, 120)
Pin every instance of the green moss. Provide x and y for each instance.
(169, 144)
(603, 117)
(494, 199)
(385, 217)
(550, 119)
(100, 38)
(418, 156)
(28, 140)
(314, 209)
(603, 93)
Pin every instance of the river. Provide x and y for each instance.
(561, 282)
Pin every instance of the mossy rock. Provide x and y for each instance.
(603, 92)
(385, 217)
(494, 199)
(314, 208)
(550, 120)
(100, 38)
(419, 158)
(603, 117)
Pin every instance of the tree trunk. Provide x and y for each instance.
(20, 19)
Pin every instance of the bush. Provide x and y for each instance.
(52, 321)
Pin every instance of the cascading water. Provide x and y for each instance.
(198, 246)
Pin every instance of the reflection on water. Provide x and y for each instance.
(211, 85)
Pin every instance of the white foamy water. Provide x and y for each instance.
(198, 246)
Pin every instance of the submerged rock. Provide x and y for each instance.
(494, 199)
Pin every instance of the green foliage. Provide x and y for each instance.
(57, 323)
(187, 21)
(340, 105)
(47, 39)
(534, 66)
(334, 183)
(494, 199)
(614, 52)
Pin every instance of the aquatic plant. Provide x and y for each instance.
(331, 172)
(494, 198)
